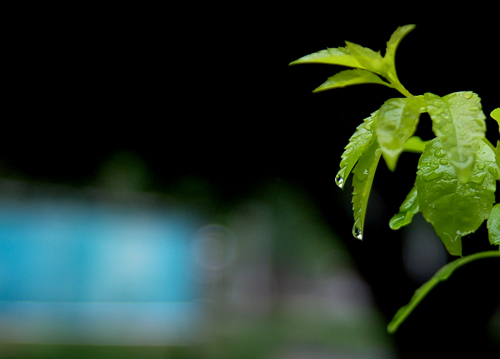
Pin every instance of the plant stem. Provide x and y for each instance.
(401, 89)
(441, 275)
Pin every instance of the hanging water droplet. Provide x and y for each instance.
(468, 94)
(357, 233)
(339, 180)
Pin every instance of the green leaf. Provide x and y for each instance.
(414, 144)
(495, 114)
(455, 209)
(494, 225)
(396, 121)
(351, 77)
(335, 56)
(356, 56)
(441, 275)
(357, 145)
(390, 53)
(364, 172)
(407, 210)
(369, 59)
(458, 122)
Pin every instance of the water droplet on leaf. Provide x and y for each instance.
(440, 153)
(443, 162)
(468, 94)
(432, 176)
(339, 181)
(357, 233)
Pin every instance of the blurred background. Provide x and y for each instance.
(167, 188)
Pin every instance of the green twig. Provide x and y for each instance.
(441, 275)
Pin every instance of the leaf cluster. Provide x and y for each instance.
(458, 169)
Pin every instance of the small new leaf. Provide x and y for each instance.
(493, 225)
(351, 77)
(336, 56)
(364, 172)
(390, 53)
(407, 210)
(396, 122)
(455, 209)
(458, 121)
(357, 145)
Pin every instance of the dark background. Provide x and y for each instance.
(206, 91)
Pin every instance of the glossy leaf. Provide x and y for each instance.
(335, 56)
(390, 53)
(364, 172)
(455, 209)
(441, 275)
(357, 145)
(414, 144)
(396, 122)
(407, 210)
(351, 77)
(458, 121)
(494, 225)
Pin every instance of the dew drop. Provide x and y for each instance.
(468, 94)
(443, 162)
(481, 166)
(357, 233)
(432, 176)
(339, 180)
(440, 153)
(368, 126)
